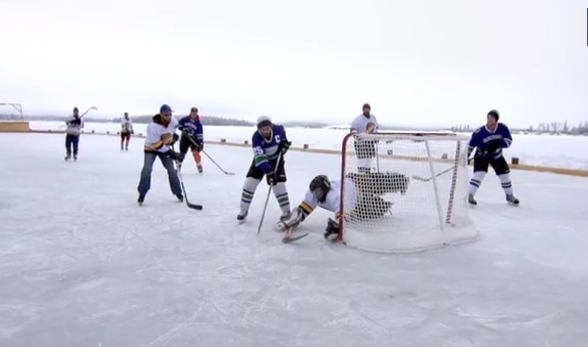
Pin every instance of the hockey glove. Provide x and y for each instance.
(175, 138)
(332, 231)
(175, 155)
(284, 146)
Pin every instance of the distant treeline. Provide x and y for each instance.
(206, 120)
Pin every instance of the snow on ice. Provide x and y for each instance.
(82, 265)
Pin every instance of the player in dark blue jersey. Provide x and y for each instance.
(488, 141)
(269, 142)
(192, 137)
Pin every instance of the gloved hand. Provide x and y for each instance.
(332, 231)
(177, 156)
(175, 138)
(284, 146)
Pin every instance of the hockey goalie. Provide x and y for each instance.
(363, 199)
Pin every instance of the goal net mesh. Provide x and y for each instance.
(405, 192)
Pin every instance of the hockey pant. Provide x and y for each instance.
(500, 167)
(254, 177)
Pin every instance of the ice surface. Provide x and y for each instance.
(82, 265)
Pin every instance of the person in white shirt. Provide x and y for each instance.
(126, 130)
(365, 149)
(362, 200)
(72, 134)
(160, 137)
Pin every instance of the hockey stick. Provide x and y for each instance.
(188, 203)
(288, 237)
(93, 108)
(269, 191)
(427, 179)
(212, 160)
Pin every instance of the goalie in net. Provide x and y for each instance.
(363, 199)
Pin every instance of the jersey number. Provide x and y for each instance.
(258, 151)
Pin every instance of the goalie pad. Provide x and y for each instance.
(296, 217)
(371, 207)
(378, 183)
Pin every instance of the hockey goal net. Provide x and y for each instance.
(404, 192)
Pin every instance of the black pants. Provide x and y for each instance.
(499, 165)
(279, 176)
(186, 144)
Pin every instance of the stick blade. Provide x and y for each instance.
(195, 206)
(289, 238)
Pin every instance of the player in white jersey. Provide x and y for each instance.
(365, 149)
(362, 199)
(126, 130)
(159, 139)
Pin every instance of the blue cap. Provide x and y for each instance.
(165, 108)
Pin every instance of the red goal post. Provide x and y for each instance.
(420, 179)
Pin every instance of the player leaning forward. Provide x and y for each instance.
(160, 136)
(489, 140)
(362, 199)
(269, 144)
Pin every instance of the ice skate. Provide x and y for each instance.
(511, 199)
(75, 157)
(471, 200)
(241, 217)
(141, 199)
(67, 157)
(199, 167)
(180, 197)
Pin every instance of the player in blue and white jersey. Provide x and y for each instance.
(269, 143)
(192, 137)
(488, 141)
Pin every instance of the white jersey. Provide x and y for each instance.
(153, 136)
(74, 128)
(126, 126)
(363, 124)
(333, 200)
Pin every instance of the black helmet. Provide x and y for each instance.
(320, 186)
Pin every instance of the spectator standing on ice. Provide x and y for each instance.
(72, 134)
(365, 149)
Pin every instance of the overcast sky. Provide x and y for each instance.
(417, 62)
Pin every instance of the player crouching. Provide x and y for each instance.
(362, 201)
(269, 144)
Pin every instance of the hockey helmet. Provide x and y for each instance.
(320, 186)
(263, 121)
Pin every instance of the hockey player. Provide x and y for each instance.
(489, 140)
(160, 137)
(365, 149)
(192, 137)
(269, 144)
(126, 130)
(362, 201)
(72, 134)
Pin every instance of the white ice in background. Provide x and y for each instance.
(82, 265)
